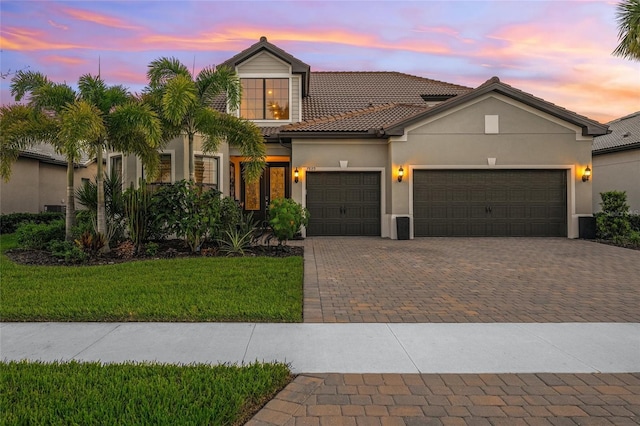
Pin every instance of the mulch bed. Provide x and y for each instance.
(166, 250)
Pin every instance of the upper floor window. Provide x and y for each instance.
(265, 99)
(164, 171)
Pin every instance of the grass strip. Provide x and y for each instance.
(130, 394)
(203, 289)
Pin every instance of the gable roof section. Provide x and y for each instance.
(333, 93)
(365, 121)
(589, 127)
(625, 135)
(297, 66)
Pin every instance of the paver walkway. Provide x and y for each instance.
(368, 279)
(451, 399)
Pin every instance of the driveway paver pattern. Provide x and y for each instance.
(451, 399)
(368, 279)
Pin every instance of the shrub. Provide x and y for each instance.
(614, 220)
(151, 249)
(194, 214)
(9, 223)
(38, 235)
(68, 251)
(91, 243)
(634, 222)
(87, 196)
(286, 217)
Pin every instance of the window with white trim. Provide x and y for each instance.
(206, 170)
(265, 98)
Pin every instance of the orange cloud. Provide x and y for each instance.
(97, 18)
(63, 60)
(234, 38)
(13, 38)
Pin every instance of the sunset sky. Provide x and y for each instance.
(557, 50)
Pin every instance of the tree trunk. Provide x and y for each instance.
(101, 216)
(192, 169)
(70, 216)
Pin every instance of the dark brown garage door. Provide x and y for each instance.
(528, 203)
(343, 203)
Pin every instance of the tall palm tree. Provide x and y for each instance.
(131, 127)
(186, 104)
(628, 17)
(54, 115)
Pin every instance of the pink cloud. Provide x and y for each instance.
(66, 60)
(56, 25)
(24, 39)
(98, 18)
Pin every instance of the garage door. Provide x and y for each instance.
(528, 203)
(343, 203)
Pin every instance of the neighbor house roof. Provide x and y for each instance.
(47, 154)
(625, 134)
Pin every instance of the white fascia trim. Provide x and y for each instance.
(383, 183)
(571, 182)
(221, 164)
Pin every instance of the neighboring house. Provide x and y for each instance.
(360, 149)
(39, 181)
(616, 161)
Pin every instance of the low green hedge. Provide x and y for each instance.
(9, 223)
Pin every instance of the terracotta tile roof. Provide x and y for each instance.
(625, 134)
(333, 93)
(361, 120)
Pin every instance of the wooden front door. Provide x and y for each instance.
(274, 183)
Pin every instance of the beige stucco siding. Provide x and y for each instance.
(619, 171)
(34, 184)
(263, 63)
(525, 138)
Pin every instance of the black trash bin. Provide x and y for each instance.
(587, 227)
(402, 226)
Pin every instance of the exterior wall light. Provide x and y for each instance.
(400, 174)
(296, 175)
(586, 175)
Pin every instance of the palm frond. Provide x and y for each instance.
(80, 126)
(164, 69)
(22, 126)
(25, 82)
(132, 125)
(179, 98)
(213, 82)
(92, 89)
(628, 17)
(53, 97)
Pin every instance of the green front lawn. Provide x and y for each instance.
(127, 394)
(261, 289)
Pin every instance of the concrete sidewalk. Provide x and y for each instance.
(340, 348)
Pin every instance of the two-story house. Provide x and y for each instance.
(360, 149)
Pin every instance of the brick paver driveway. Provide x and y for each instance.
(353, 279)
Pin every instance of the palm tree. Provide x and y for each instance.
(54, 115)
(131, 127)
(122, 123)
(186, 104)
(628, 16)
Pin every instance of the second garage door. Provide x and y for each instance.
(531, 203)
(343, 203)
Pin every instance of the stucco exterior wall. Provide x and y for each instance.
(34, 184)
(525, 138)
(619, 171)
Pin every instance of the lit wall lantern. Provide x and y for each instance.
(296, 175)
(400, 174)
(586, 175)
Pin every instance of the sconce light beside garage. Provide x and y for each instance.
(296, 175)
(400, 174)
(586, 175)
